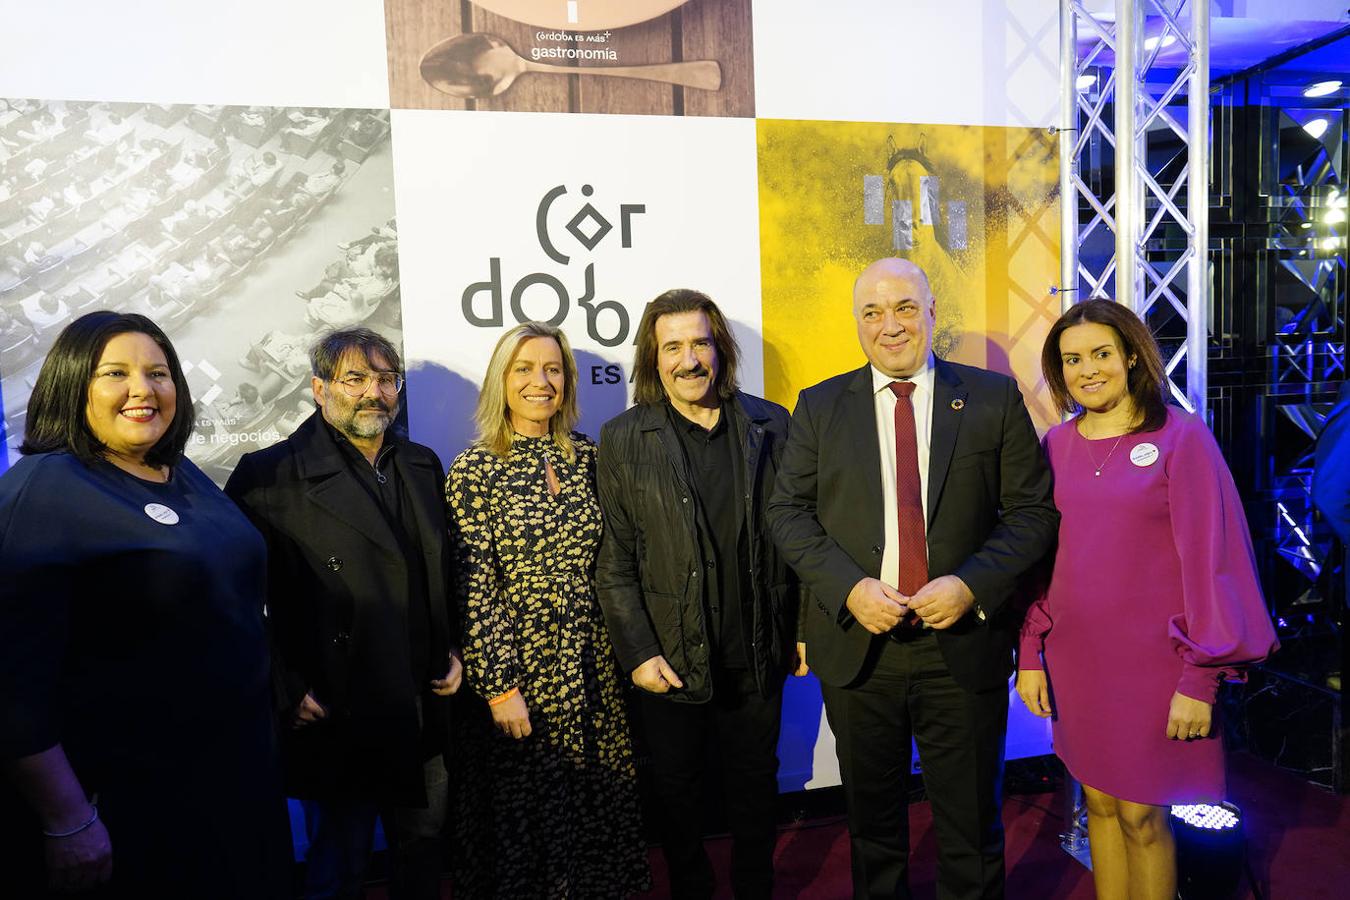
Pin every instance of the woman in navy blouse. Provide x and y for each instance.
(134, 677)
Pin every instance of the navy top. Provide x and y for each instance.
(131, 632)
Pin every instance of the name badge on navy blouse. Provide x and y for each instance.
(161, 513)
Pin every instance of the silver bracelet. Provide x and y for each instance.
(65, 834)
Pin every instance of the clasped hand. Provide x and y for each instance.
(940, 603)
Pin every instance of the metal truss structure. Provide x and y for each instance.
(1142, 173)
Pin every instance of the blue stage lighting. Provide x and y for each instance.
(1210, 850)
(1203, 815)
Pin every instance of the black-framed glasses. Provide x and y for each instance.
(356, 384)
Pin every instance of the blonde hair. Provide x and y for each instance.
(493, 416)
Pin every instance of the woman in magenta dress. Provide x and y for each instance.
(1153, 600)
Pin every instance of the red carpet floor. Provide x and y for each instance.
(1298, 840)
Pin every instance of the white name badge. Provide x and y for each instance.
(1144, 454)
(161, 513)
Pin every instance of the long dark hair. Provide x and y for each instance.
(647, 387)
(57, 416)
(1146, 380)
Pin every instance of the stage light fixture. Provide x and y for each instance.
(1334, 216)
(1330, 243)
(1306, 225)
(1210, 850)
(1321, 88)
(1085, 81)
(1150, 43)
(1315, 127)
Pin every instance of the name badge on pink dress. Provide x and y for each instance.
(1144, 454)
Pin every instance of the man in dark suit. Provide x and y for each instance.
(911, 497)
(361, 620)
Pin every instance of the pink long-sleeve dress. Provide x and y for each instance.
(1154, 591)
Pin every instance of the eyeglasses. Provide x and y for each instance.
(357, 383)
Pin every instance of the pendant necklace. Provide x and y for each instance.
(1098, 468)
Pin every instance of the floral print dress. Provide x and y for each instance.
(554, 814)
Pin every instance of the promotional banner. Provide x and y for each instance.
(953, 62)
(561, 160)
(327, 53)
(651, 57)
(577, 222)
(976, 207)
(241, 231)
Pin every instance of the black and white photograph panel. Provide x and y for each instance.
(242, 231)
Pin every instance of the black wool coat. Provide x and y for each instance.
(337, 599)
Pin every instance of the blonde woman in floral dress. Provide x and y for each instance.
(548, 800)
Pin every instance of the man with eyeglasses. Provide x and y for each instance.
(362, 620)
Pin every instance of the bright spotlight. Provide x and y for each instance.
(1085, 81)
(1321, 88)
(1169, 40)
(1210, 849)
(1330, 243)
(1306, 225)
(1334, 216)
(1315, 127)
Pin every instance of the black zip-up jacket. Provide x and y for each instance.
(651, 568)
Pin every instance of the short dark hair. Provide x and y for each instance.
(1146, 380)
(57, 408)
(329, 349)
(647, 387)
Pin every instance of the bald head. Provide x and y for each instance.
(895, 313)
(892, 267)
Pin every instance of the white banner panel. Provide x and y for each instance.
(576, 220)
(955, 62)
(327, 53)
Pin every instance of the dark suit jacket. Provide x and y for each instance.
(332, 561)
(991, 515)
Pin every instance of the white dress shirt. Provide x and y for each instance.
(883, 404)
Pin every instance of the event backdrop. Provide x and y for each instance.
(250, 175)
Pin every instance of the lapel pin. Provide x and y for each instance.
(958, 404)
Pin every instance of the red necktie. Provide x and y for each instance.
(912, 542)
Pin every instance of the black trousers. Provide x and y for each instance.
(737, 731)
(906, 690)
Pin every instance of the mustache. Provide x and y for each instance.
(697, 371)
(372, 404)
